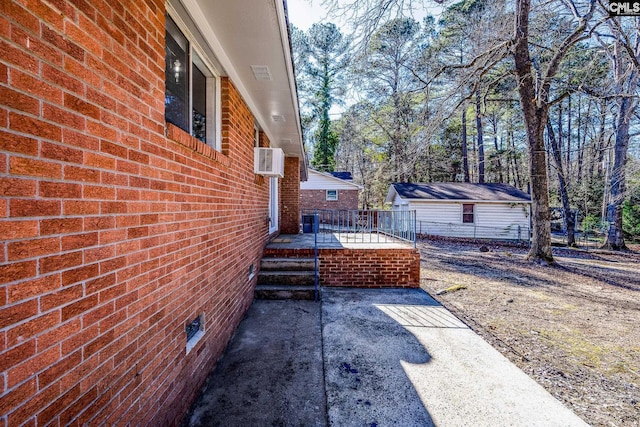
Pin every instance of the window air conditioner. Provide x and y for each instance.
(268, 161)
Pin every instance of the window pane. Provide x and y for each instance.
(176, 101)
(467, 214)
(199, 86)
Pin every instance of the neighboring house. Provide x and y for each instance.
(489, 211)
(132, 219)
(329, 190)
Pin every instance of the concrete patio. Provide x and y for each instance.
(367, 357)
(338, 241)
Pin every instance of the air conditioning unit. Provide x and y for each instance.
(268, 161)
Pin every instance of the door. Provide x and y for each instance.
(273, 204)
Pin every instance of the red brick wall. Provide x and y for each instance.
(317, 199)
(290, 196)
(370, 268)
(116, 230)
(362, 267)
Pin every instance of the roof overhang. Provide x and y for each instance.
(243, 35)
(391, 195)
(503, 202)
(336, 179)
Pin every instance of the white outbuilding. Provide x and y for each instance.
(467, 210)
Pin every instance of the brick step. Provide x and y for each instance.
(274, 292)
(286, 278)
(287, 264)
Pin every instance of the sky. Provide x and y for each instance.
(304, 13)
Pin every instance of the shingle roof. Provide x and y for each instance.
(343, 175)
(461, 191)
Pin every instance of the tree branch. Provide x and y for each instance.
(564, 47)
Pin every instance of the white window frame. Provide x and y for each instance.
(191, 343)
(214, 92)
(331, 198)
(462, 214)
(274, 209)
(256, 136)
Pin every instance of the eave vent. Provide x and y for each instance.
(261, 72)
(277, 118)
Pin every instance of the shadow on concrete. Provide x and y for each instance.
(270, 373)
(367, 357)
(365, 351)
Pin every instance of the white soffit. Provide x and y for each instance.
(250, 40)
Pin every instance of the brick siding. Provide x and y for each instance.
(370, 268)
(290, 196)
(117, 230)
(317, 199)
(362, 267)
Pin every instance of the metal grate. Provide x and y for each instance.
(192, 328)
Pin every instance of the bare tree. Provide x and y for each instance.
(534, 87)
(562, 185)
(480, 139)
(534, 83)
(624, 55)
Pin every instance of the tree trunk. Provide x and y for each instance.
(508, 160)
(541, 220)
(480, 140)
(465, 154)
(615, 238)
(601, 144)
(514, 157)
(580, 140)
(535, 112)
(498, 151)
(626, 82)
(569, 219)
(568, 153)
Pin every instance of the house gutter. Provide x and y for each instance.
(465, 201)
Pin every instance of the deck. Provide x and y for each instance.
(338, 241)
(363, 260)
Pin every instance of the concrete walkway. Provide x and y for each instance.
(368, 358)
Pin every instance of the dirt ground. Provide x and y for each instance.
(574, 328)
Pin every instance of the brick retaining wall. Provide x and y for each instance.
(362, 267)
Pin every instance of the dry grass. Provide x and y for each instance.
(573, 328)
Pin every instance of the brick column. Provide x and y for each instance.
(290, 197)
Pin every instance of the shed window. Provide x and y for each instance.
(467, 214)
(191, 94)
(332, 195)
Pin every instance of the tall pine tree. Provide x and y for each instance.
(322, 57)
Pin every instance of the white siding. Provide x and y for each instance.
(437, 212)
(507, 217)
(318, 181)
(491, 220)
